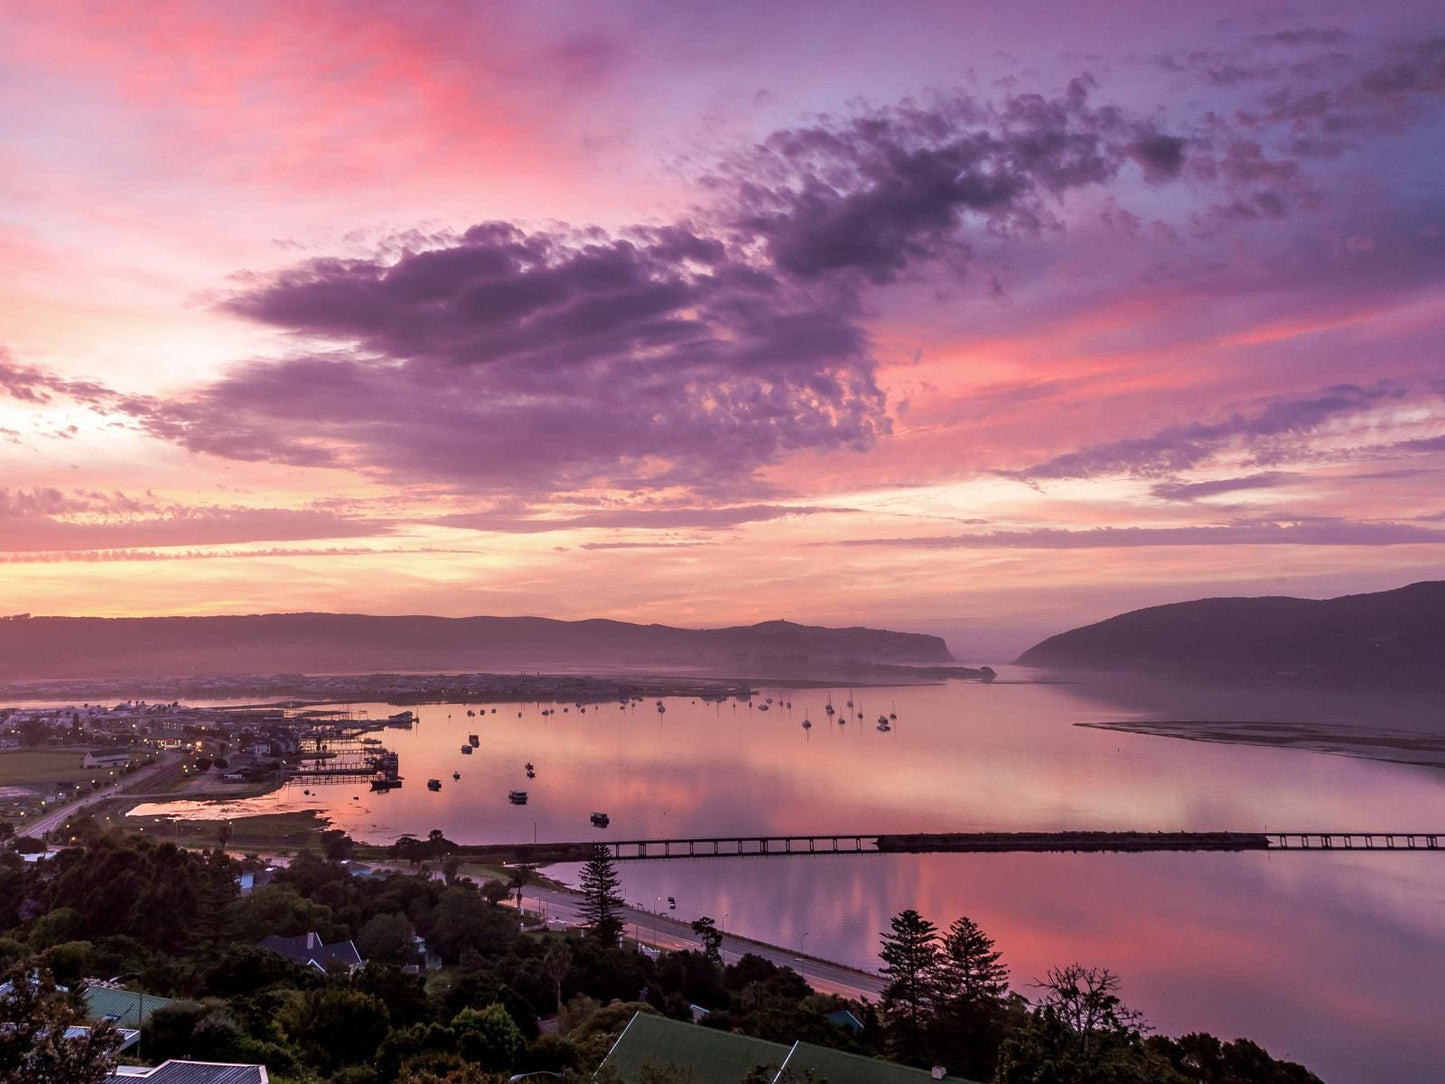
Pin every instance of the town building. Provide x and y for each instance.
(307, 950)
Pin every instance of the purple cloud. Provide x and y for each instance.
(641, 518)
(1183, 447)
(683, 357)
(876, 193)
(1176, 490)
(44, 519)
(1324, 532)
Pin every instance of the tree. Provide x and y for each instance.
(970, 1022)
(707, 933)
(335, 1026)
(910, 963)
(556, 962)
(971, 968)
(522, 876)
(387, 939)
(1086, 1001)
(1080, 1032)
(488, 1037)
(601, 906)
(337, 845)
(34, 1015)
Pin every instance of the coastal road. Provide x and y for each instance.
(58, 816)
(660, 930)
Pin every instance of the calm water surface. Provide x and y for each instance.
(1336, 960)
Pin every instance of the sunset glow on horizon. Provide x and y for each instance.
(977, 321)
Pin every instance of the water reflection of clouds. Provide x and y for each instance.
(1290, 953)
(1334, 959)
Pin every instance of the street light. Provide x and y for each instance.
(803, 959)
(139, 1008)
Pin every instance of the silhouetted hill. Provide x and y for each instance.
(1390, 639)
(57, 647)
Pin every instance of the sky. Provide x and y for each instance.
(976, 319)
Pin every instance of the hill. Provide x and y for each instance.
(33, 648)
(1388, 639)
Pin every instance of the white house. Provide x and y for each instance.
(105, 760)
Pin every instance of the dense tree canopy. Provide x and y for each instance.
(174, 922)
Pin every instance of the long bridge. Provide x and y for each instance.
(755, 846)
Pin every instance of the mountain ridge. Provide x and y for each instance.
(60, 647)
(1390, 638)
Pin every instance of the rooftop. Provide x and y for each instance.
(720, 1057)
(191, 1072)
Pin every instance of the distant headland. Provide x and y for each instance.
(1390, 639)
(47, 648)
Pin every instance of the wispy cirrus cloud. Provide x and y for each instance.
(49, 519)
(1176, 490)
(1320, 532)
(1258, 427)
(662, 518)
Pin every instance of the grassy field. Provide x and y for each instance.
(268, 833)
(19, 767)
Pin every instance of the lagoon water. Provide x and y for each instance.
(1337, 960)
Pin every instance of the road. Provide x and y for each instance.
(58, 816)
(560, 908)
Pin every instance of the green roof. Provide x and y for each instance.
(128, 1008)
(708, 1056)
(837, 1067)
(711, 1056)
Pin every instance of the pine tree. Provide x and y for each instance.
(971, 969)
(970, 1023)
(601, 904)
(910, 963)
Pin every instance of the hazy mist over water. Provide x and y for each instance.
(1332, 959)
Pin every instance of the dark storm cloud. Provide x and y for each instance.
(1182, 447)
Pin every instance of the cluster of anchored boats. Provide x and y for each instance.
(518, 797)
(885, 722)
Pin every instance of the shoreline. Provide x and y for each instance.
(1385, 745)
